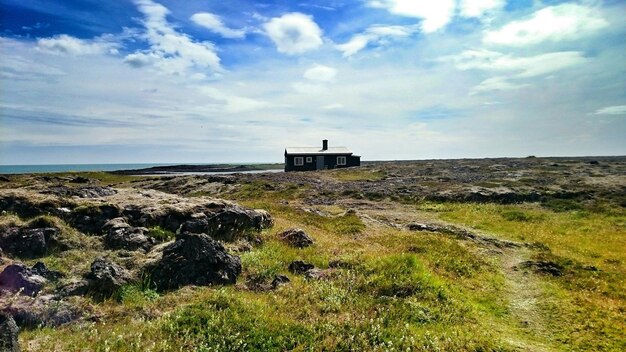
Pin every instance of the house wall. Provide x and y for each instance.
(353, 161)
(290, 164)
(330, 162)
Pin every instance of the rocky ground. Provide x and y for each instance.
(73, 243)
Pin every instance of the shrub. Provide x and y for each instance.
(161, 234)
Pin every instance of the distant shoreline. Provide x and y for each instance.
(137, 169)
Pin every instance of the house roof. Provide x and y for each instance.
(316, 150)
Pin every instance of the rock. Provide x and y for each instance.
(25, 206)
(317, 274)
(280, 280)
(106, 278)
(28, 243)
(300, 267)
(91, 218)
(259, 284)
(229, 223)
(8, 334)
(414, 226)
(120, 235)
(45, 310)
(243, 247)
(4, 179)
(541, 267)
(464, 234)
(18, 277)
(296, 238)
(590, 268)
(198, 223)
(194, 259)
(340, 264)
(115, 223)
(227, 180)
(81, 192)
(40, 269)
(79, 179)
(74, 288)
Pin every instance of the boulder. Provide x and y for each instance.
(120, 235)
(28, 243)
(8, 334)
(106, 278)
(194, 259)
(74, 288)
(18, 277)
(90, 219)
(227, 224)
(44, 310)
(79, 179)
(42, 270)
(296, 238)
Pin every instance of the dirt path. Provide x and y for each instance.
(527, 328)
(523, 294)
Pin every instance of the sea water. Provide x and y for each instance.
(28, 169)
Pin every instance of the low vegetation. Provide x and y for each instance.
(384, 288)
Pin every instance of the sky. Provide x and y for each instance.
(164, 81)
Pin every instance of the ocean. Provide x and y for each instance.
(28, 169)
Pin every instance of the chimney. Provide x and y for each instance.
(325, 144)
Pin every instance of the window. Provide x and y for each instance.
(309, 159)
(298, 161)
(341, 160)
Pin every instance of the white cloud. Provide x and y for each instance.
(391, 31)
(374, 34)
(612, 110)
(171, 51)
(294, 33)
(320, 73)
(233, 103)
(531, 66)
(214, 24)
(434, 14)
(308, 88)
(516, 67)
(65, 44)
(477, 8)
(335, 106)
(354, 45)
(554, 23)
(138, 60)
(496, 83)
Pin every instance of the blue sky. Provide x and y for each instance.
(237, 81)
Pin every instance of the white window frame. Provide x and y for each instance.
(309, 159)
(340, 159)
(298, 160)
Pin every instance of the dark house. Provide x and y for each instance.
(313, 158)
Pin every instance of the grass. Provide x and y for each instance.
(106, 177)
(357, 174)
(161, 234)
(392, 289)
